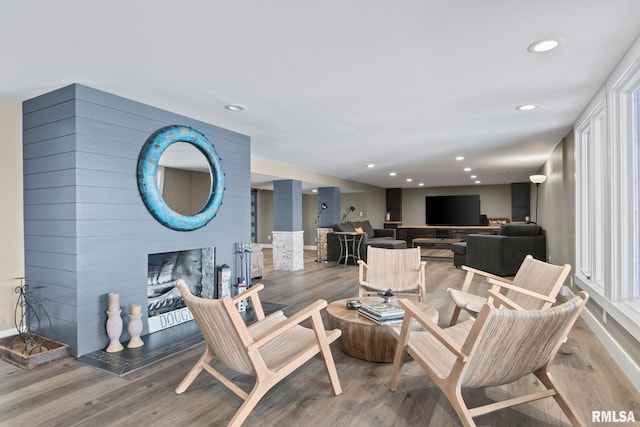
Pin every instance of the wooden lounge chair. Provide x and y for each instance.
(269, 349)
(400, 270)
(499, 347)
(535, 286)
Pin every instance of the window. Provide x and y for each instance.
(607, 139)
(591, 170)
(636, 191)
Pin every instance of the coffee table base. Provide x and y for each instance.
(362, 338)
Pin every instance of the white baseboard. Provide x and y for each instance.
(8, 333)
(617, 353)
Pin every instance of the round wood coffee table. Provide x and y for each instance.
(362, 338)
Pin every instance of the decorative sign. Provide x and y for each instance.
(169, 319)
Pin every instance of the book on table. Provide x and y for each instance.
(381, 321)
(382, 313)
(383, 309)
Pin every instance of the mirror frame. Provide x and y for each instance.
(148, 162)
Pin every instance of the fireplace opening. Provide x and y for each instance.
(165, 306)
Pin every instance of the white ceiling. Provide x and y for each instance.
(333, 85)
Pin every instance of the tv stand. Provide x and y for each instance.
(442, 233)
(434, 243)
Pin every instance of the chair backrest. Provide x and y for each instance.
(505, 345)
(218, 329)
(395, 269)
(537, 276)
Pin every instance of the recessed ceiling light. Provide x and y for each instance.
(421, 184)
(526, 107)
(478, 182)
(371, 165)
(315, 190)
(544, 45)
(235, 107)
(409, 179)
(473, 176)
(459, 158)
(392, 174)
(467, 169)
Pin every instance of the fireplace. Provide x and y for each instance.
(165, 307)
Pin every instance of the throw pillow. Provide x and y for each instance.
(358, 229)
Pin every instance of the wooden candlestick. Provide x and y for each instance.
(136, 309)
(114, 330)
(135, 328)
(114, 302)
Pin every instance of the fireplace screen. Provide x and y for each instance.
(196, 267)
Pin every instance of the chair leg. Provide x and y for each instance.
(325, 352)
(398, 361)
(401, 350)
(243, 412)
(454, 316)
(547, 380)
(456, 400)
(195, 371)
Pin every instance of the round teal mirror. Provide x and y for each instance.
(148, 163)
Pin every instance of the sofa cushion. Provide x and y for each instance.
(343, 227)
(387, 243)
(366, 226)
(520, 229)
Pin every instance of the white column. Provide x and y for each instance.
(288, 250)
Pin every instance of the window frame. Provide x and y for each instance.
(607, 201)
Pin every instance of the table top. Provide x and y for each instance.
(348, 233)
(339, 310)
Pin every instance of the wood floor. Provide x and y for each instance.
(68, 393)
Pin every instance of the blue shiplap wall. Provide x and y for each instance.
(287, 205)
(87, 231)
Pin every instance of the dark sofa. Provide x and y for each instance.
(502, 254)
(380, 237)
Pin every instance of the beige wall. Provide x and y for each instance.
(371, 204)
(11, 225)
(265, 216)
(552, 207)
(369, 200)
(495, 201)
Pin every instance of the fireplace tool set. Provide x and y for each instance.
(244, 280)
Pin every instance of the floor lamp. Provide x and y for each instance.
(319, 242)
(537, 180)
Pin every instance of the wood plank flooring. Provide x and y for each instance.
(68, 393)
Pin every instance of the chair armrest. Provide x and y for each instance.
(292, 321)
(527, 292)
(471, 272)
(504, 300)
(362, 266)
(426, 323)
(252, 293)
(485, 274)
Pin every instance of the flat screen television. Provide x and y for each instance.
(453, 210)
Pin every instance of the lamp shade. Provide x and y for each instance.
(538, 179)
